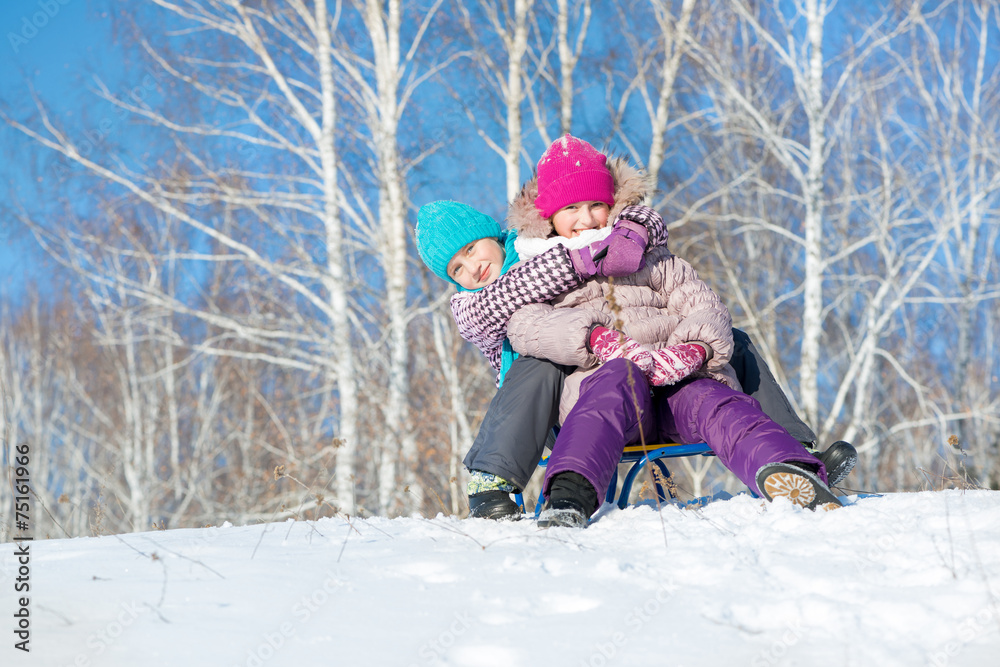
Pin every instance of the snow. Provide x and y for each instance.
(901, 579)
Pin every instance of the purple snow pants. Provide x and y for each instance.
(603, 421)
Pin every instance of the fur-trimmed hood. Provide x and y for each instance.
(631, 187)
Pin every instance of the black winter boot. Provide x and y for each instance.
(793, 481)
(839, 461)
(496, 505)
(572, 499)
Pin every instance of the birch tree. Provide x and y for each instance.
(794, 37)
(504, 72)
(653, 77)
(804, 158)
(382, 87)
(446, 346)
(276, 97)
(952, 86)
(10, 407)
(893, 260)
(570, 49)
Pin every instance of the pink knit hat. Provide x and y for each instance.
(572, 170)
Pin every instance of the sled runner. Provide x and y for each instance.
(639, 457)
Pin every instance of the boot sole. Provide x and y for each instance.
(553, 518)
(799, 490)
(499, 515)
(841, 470)
(839, 460)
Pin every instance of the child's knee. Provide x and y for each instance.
(722, 395)
(740, 399)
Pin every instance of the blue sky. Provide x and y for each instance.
(47, 46)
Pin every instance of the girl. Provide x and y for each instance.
(675, 330)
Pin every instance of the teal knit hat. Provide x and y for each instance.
(445, 227)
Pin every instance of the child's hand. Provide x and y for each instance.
(661, 367)
(620, 254)
(626, 249)
(608, 344)
(643, 215)
(675, 362)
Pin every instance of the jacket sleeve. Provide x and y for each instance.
(702, 315)
(482, 316)
(557, 334)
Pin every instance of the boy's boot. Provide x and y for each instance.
(489, 497)
(495, 505)
(795, 482)
(572, 499)
(839, 460)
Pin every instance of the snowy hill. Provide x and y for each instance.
(905, 579)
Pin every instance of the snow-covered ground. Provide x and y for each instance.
(904, 579)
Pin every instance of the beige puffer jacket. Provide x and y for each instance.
(665, 303)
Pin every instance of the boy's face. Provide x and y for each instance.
(570, 220)
(477, 264)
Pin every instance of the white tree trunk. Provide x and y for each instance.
(675, 37)
(11, 397)
(134, 465)
(398, 450)
(569, 55)
(459, 428)
(515, 95)
(567, 61)
(335, 280)
(812, 312)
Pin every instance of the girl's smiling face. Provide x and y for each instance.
(477, 264)
(570, 220)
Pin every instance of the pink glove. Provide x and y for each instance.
(675, 362)
(626, 249)
(620, 254)
(608, 344)
(626, 253)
